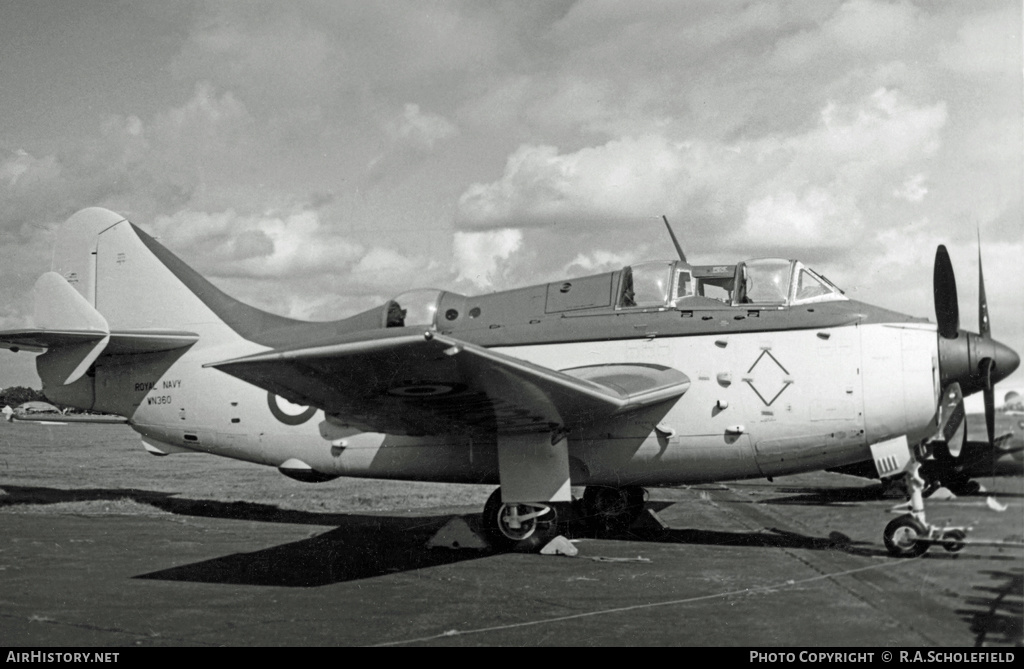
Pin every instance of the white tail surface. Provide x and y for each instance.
(102, 256)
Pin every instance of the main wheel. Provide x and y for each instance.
(519, 527)
(901, 537)
(610, 511)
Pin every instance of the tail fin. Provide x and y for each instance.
(137, 284)
(118, 303)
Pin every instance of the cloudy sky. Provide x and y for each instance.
(316, 157)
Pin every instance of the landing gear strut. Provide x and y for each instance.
(910, 535)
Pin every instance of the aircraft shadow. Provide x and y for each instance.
(824, 496)
(769, 538)
(996, 613)
(365, 546)
(171, 503)
(361, 547)
(813, 496)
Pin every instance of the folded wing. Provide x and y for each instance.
(402, 381)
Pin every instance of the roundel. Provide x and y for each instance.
(426, 389)
(288, 413)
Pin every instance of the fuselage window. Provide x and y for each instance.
(651, 285)
(684, 284)
(395, 315)
(416, 308)
(808, 286)
(767, 281)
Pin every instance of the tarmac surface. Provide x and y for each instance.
(101, 544)
(794, 562)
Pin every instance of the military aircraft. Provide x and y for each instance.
(660, 373)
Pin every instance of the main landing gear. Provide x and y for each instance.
(910, 535)
(520, 526)
(610, 511)
(528, 527)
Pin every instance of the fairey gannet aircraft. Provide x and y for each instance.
(661, 373)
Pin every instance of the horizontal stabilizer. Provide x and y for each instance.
(37, 340)
(137, 341)
(404, 381)
(74, 335)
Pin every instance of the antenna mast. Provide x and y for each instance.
(675, 242)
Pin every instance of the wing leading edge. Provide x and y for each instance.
(405, 381)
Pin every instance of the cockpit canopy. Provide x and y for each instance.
(764, 283)
(776, 281)
(413, 308)
(760, 282)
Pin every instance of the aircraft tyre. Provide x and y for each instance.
(954, 541)
(610, 511)
(901, 537)
(531, 535)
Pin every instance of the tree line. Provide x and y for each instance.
(16, 395)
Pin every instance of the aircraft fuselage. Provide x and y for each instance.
(761, 403)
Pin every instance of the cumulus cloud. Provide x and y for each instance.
(542, 187)
(228, 244)
(986, 43)
(499, 144)
(411, 138)
(600, 261)
(913, 189)
(807, 189)
(478, 256)
(813, 218)
(19, 166)
(420, 130)
(291, 261)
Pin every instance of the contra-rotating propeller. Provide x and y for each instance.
(968, 362)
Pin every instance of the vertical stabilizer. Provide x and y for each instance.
(74, 253)
(138, 285)
(136, 291)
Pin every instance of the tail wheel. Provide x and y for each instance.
(610, 511)
(901, 537)
(954, 541)
(520, 526)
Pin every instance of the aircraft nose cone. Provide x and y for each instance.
(1006, 359)
(962, 360)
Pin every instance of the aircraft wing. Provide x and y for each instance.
(405, 381)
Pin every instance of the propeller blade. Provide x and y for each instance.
(983, 323)
(952, 426)
(989, 393)
(947, 309)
